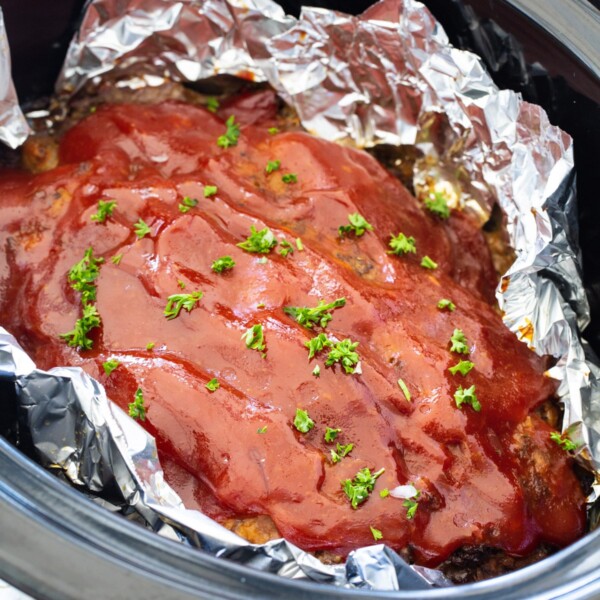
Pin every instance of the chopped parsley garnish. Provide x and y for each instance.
(150, 346)
(384, 493)
(116, 259)
(463, 367)
(83, 274)
(563, 441)
(340, 451)
(210, 190)
(344, 353)
(468, 396)
(261, 242)
(359, 488)
(444, 303)
(110, 365)
(316, 344)
(428, 263)
(302, 422)
(213, 385)
(186, 204)
(404, 389)
(316, 371)
(289, 178)
(176, 302)
(212, 104)
(411, 505)
(400, 244)
(255, 338)
(231, 135)
(262, 429)
(273, 165)
(358, 226)
(262, 260)
(459, 342)
(223, 264)
(77, 337)
(286, 248)
(105, 210)
(438, 205)
(299, 245)
(137, 409)
(273, 130)
(181, 284)
(319, 315)
(377, 535)
(141, 229)
(331, 434)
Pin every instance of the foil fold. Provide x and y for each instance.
(388, 76)
(13, 126)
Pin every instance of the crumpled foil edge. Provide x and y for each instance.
(386, 77)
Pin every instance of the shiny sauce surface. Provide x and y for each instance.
(490, 478)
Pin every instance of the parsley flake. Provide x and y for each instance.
(187, 204)
(181, 284)
(210, 190)
(255, 338)
(116, 259)
(273, 130)
(83, 274)
(400, 244)
(459, 342)
(463, 367)
(302, 422)
(438, 205)
(150, 346)
(212, 104)
(377, 535)
(404, 389)
(176, 302)
(213, 385)
(223, 264)
(411, 505)
(358, 226)
(141, 229)
(316, 344)
(137, 410)
(110, 365)
(340, 451)
(286, 248)
(272, 165)
(105, 210)
(359, 488)
(261, 242)
(444, 303)
(344, 353)
(384, 493)
(331, 434)
(231, 135)
(299, 245)
(428, 263)
(77, 337)
(316, 371)
(563, 441)
(289, 178)
(468, 396)
(262, 429)
(319, 315)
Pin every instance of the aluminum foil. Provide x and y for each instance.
(386, 77)
(13, 126)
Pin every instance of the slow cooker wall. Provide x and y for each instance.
(57, 544)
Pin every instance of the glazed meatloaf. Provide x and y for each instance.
(316, 352)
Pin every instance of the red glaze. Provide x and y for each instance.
(476, 486)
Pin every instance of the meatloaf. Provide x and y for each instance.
(317, 353)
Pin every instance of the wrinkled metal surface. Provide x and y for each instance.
(13, 127)
(388, 76)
